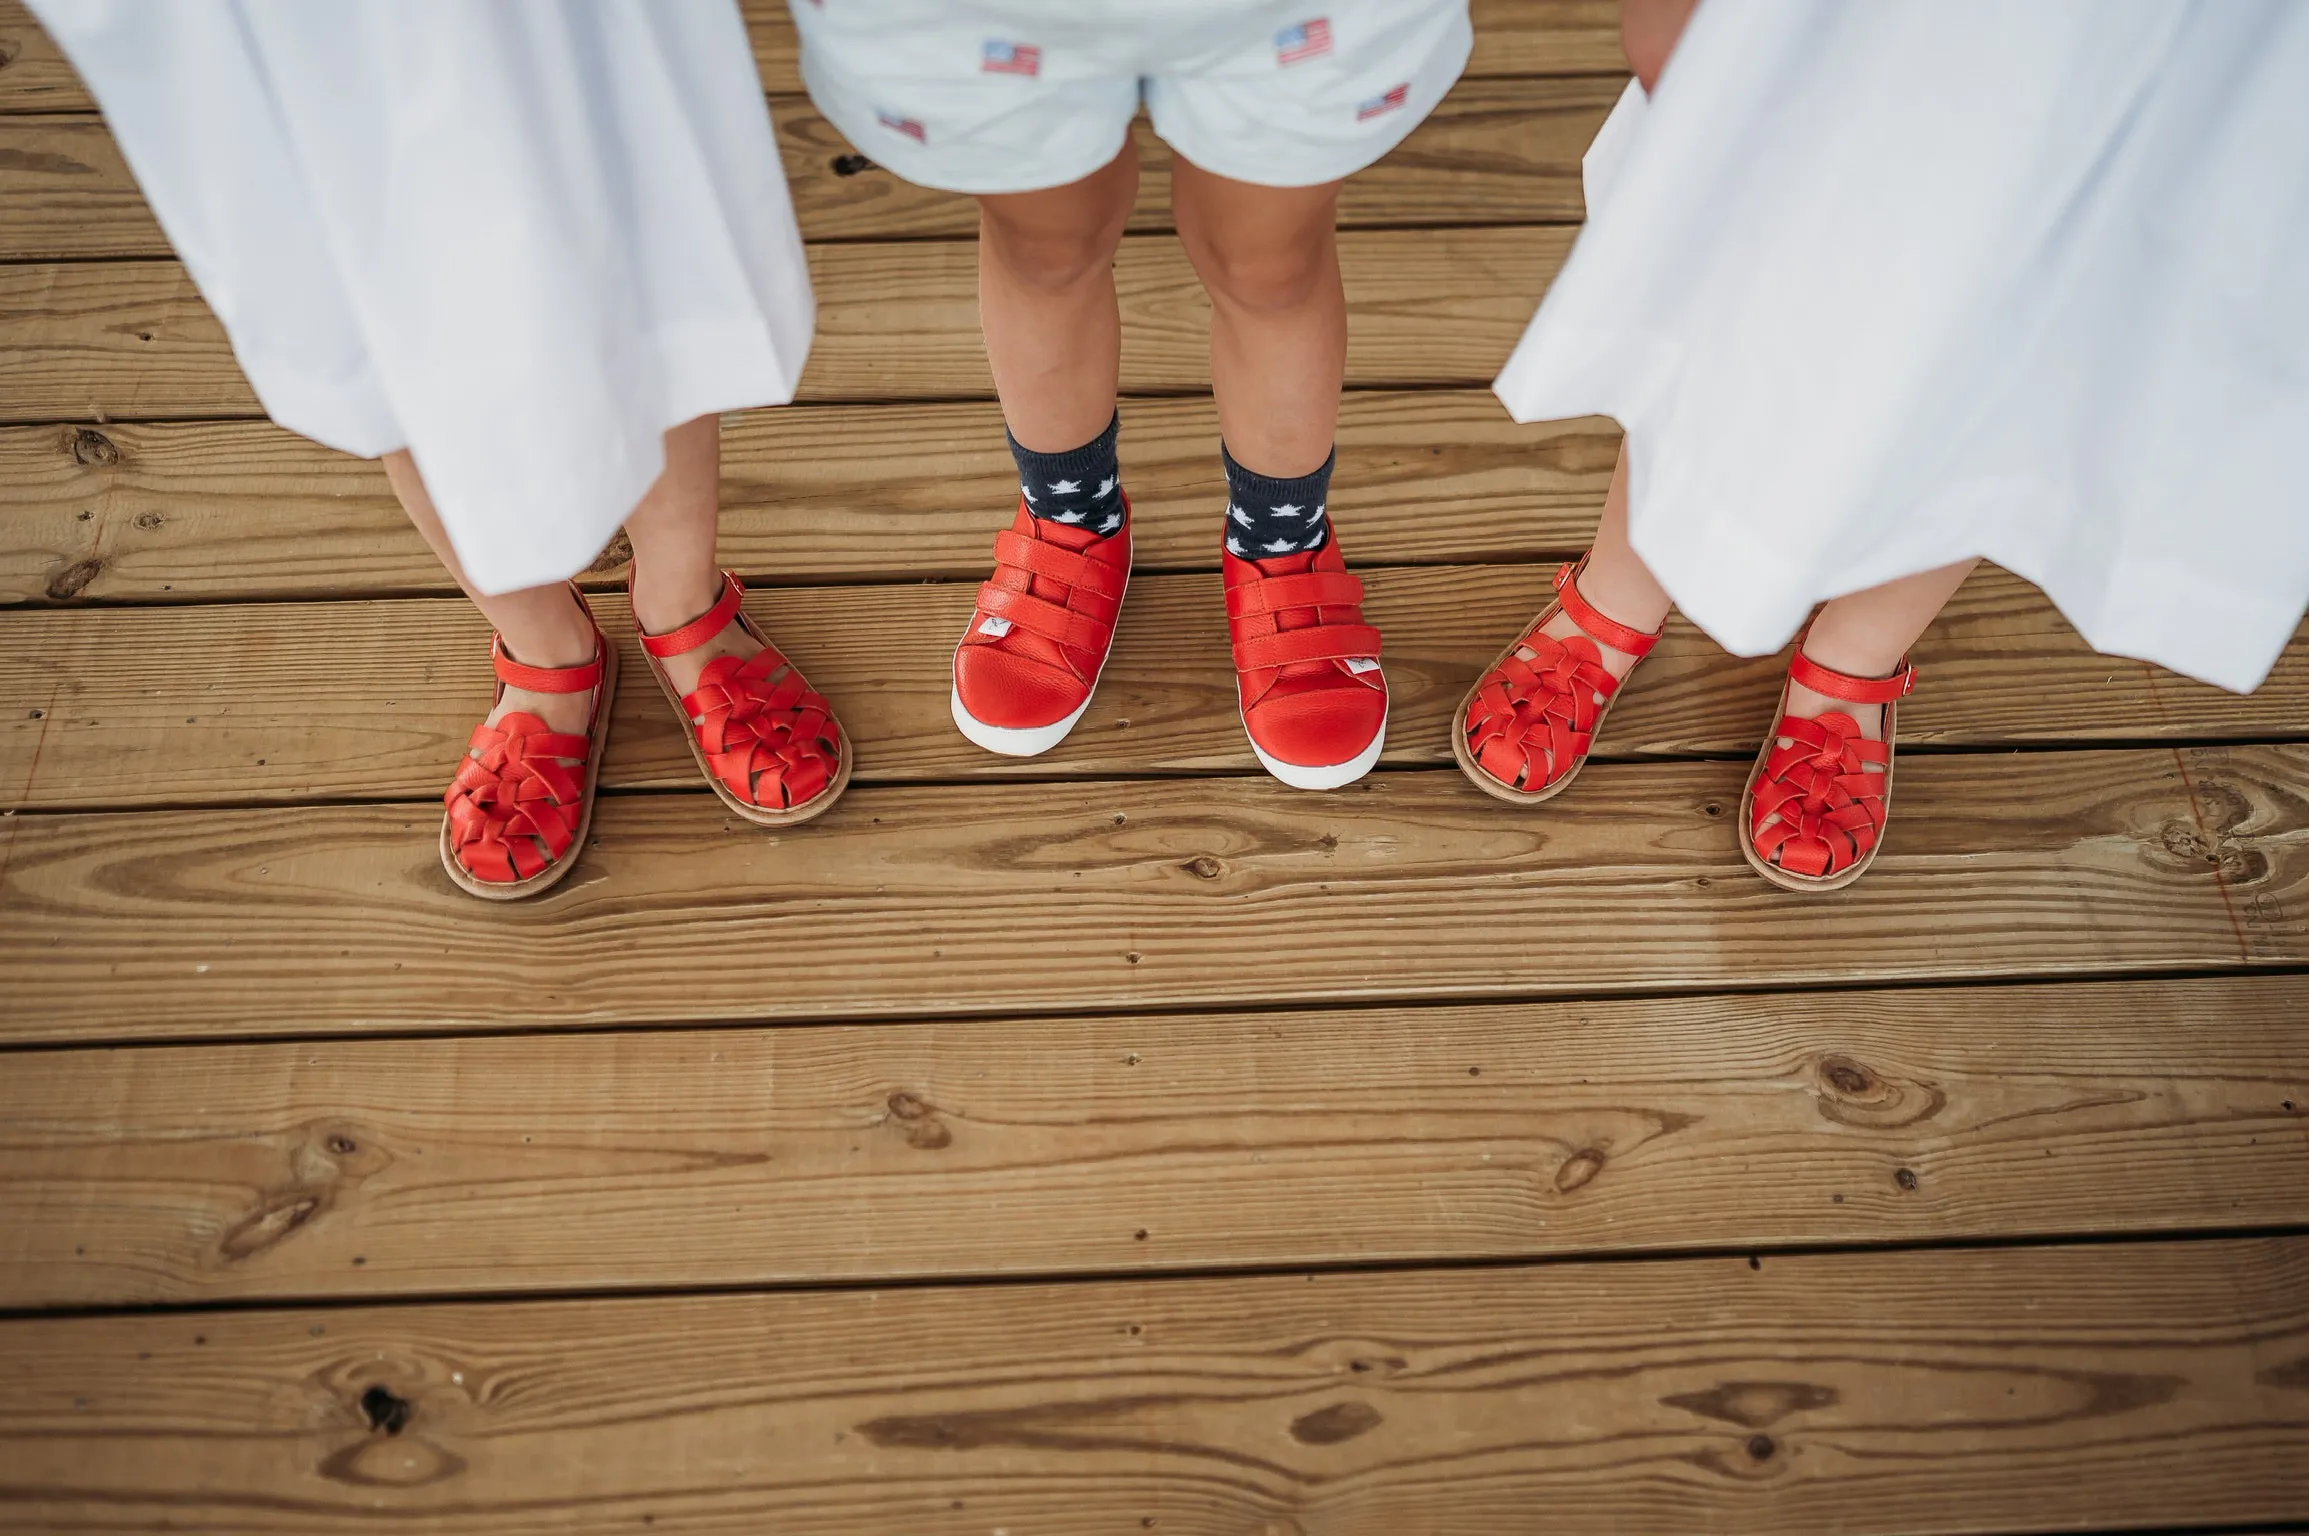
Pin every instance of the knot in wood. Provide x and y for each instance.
(385, 1410)
(852, 165)
(1205, 866)
(1761, 1447)
(73, 579)
(89, 446)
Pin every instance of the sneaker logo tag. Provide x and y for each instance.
(1362, 664)
(1000, 627)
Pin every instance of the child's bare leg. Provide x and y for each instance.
(1046, 300)
(1615, 579)
(1867, 633)
(541, 626)
(675, 574)
(1269, 259)
(1648, 33)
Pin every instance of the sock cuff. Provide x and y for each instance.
(1246, 482)
(1091, 456)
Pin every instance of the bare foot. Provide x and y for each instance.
(661, 613)
(565, 712)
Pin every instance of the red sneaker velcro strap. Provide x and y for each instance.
(1318, 642)
(1060, 565)
(1036, 616)
(702, 628)
(1310, 589)
(575, 679)
(1852, 690)
(1593, 622)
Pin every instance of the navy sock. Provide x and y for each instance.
(1078, 487)
(1267, 517)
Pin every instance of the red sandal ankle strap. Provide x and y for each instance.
(704, 627)
(1593, 622)
(586, 675)
(1803, 670)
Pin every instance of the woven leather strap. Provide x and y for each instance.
(702, 628)
(1819, 801)
(1852, 690)
(1592, 621)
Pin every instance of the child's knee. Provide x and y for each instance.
(1265, 274)
(1048, 259)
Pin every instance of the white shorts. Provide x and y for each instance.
(1018, 95)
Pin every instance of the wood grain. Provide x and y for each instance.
(205, 510)
(131, 340)
(219, 705)
(1494, 152)
(1512, 37)
(1008, 898)
(2157, 1385)
(1046, 1146)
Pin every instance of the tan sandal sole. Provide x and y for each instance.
(1773, 873)
(554, 873)
(760, 816)
(1482, 777)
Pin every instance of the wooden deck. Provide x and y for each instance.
(1115, 1141)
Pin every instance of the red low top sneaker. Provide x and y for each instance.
(1307, 667)
(1024, 672)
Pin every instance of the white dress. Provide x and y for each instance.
(1874, 288)
(520, 238)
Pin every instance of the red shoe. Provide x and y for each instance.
(766, 741)
(1525, 729)
(1812, 816)
(515, 815)
(1314, 701)
(1038, 639)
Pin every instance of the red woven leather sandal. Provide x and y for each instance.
(518, 809)
(1824, 789)
(1525, 729)
(763, 737)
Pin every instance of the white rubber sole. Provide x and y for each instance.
(1012, 741)
(1336, 776)
(1028, 741)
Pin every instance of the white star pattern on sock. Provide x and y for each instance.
(1240, 516)
(1064, 487)
(1105, 488)
(1026, 491)
(1111, 524)
(1281, 547)
(1235, 548)
(1066, 517)
(1285, 511)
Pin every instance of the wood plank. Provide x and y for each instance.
(1512, 37)
(219, 705)
(132, 340)
(34, 76)
(1495, 152)
(244, 509)
(2147, 1385)
(1045, 1146)
(1011, 898)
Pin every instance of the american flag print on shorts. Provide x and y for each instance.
(1000, 58)
(905, 125)
(1307, 40)
(1377, 105)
